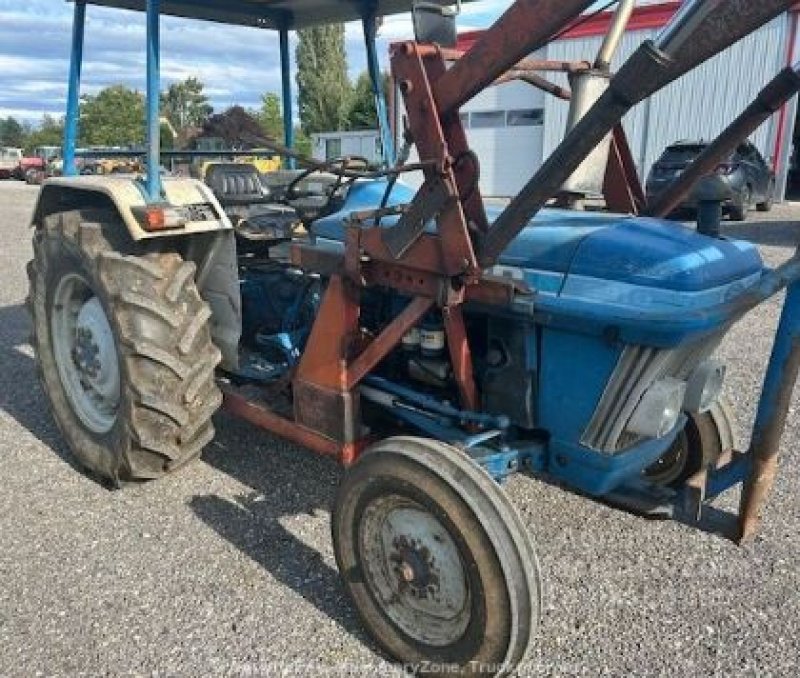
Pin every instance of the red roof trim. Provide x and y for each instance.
(467, 39)
(643, 18)
(647, 17)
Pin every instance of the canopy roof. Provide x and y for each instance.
(269, 14)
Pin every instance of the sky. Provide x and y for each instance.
(236, 64)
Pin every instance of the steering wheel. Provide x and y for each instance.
(342, 164)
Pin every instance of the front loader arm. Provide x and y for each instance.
(701, 29)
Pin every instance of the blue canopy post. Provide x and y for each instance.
(153, 178)
(288, 104)
(72, 120)
(370, 23)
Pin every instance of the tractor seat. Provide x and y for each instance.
(236, 184)
(259, 223)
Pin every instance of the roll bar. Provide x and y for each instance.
(256, 14)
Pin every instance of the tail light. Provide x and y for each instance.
(160, 217)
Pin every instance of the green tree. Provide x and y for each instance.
(271, 115)
(50, 132)
(167, 137)
(113, 117)
(302, 142)
(185, 104)
(324, 88)
(363, 113)
(11, 132)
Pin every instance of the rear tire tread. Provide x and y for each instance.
(159, 319)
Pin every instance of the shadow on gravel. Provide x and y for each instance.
(21, 395)
(287, 482)
(771, 233)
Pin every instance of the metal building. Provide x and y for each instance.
(506, 128)
(513, 127)
(361, 143)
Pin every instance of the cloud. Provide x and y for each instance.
(237, 64)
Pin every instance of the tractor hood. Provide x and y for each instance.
(642, 252)
(597, 255)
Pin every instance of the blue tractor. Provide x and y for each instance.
(433, 344)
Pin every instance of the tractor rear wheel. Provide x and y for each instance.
(123, 348)
(436, 559)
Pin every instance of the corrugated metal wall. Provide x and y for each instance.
(699, 106)
(506, 153)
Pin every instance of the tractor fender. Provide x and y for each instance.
(123, 194)
(215, 255)
(722, 414)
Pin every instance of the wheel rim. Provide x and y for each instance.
(413, 568)
(669, 467)
(85, 354)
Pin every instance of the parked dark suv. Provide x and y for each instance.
(751, 179)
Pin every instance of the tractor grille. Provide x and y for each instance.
(639, 367)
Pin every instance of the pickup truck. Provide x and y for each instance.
(9, 161)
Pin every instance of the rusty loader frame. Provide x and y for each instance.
(449, 267)
(437, 562)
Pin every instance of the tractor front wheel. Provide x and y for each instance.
(700, 444)
(123, 348)
(436, 560)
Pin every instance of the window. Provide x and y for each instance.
(488, 119)
(744, 153)
(532, 117)
(754, 155)
(333, 149)
(10, 154)
(681, 154)
(526, 117)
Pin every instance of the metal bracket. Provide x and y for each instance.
(431, 199)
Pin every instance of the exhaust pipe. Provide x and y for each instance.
(615, 34)
(587, 87)
(702, 29)
(782, 88)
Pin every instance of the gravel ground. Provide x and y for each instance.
(227, 568)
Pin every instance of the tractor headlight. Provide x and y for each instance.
(704, 386)
(659, 410)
